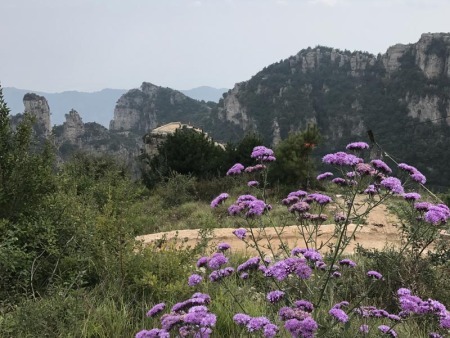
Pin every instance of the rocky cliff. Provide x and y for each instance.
(37, 106)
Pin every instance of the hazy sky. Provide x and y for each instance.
(87, 45)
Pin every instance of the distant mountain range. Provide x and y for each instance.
(92, 107)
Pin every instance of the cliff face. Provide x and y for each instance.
(38, 107)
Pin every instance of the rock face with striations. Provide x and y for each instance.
(38, 107)
(73, 128)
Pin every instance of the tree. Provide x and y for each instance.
(293, 166)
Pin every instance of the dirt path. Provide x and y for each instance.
(381, 230)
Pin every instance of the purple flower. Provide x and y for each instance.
(256, 208)
(270, 330)
(257, 323)
(403, 292)
(339, 181)
(299, 207)
(194, 279)
(392, 184)
(371, 190)
(223, 246)
(408, 168)
(156, 309)
(301, 328)
(298, 193)
(387, 330)
(202, 261)
(341, 158)
(251, 263)
(411, 196)
(304, 305)
(234, 209)
(312, 255)
(168, 321)
(437, 214)
(364, 169)
(324, 176)
(219, 199)
(347, 262)
(275, 296)
(235, 169)
(253, 183)
(217, 260)
(374, 274)
(153, 333)
(357, 146)
(244, 275)
(422, 206)
(290, 200)
(339, 217)
(418, 177)
(341, 304)
(320, 199)
(263, 154)
(339, 315)
(256, 168)
(364, 328)
(435, 335)
(381, 166)
(240, 233)
(444, 322)
(241, 318)
(336, 274)
(204, 332)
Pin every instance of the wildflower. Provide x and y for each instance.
(168, 321)
(263, 154)
(256, 208)
(257, 323)
(320, 199)
(156, 309)
(270, 330)
(403, 292)
(371, 190)
(255, 168)
(253, 183)
(223, 246)
(301, 328)
(217, 260)
(387, 330)
(202, 261)
(374, 274)
(339, 181)
(240, 233)
(357, 146)
(153, 333)
(312, 255)
(219, 199)
(437, 214)
(422, 206)
(341, 158)
(435, 335)
(339, 315)
(324, 176)
(234, 209)
(444, 322)
(235, 169)
(392, 184)
(275, 296)
(298, 193)
(299, 207)
(194, 279)
(244, 275)
(204, 332)
(251, 263)
(290, 200)
(381, 166)
(347, 262)
(364, 169)
(418, 177)
(339, 217)
(336, 274)
(339, 305)
(411, 196)
(364, 328)
(303, 271)
(304, 305)
(241, 318)
(408, 168)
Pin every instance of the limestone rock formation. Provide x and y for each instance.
(38, 107)
(73, 128)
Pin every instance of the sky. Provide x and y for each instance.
(88, 45)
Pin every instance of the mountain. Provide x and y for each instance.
(205, 93)
(403, 96)
(93, 107)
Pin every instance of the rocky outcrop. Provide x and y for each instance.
(73, 128)
(37, 106)
(233, 111)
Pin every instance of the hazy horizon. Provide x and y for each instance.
(89, 45)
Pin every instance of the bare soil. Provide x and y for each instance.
(380, 230)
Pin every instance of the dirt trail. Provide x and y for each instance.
(381, 229)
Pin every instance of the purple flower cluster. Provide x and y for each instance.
(250, 204)
(254, 324)
(256, 168)
(299, 207)
(339, 181)
(341, 159)
(371, 190)
(217, 275)
(357, 146)
(392, 184)
(191, 317)
(347, 262)
(374, 274)
(381, 166)
(320, 199)
(250, 264)
(324, 176)
(301, 328)
(304, 305)
(415, 174)
(365, 169)
(240, 233)
(194, 279)
(263, 154)
(252, 183)
(339, 315)
(437, 214)
(223, 246)
(219, 199)
(292, 265)
(411, 196)
(217, 260)
(158, 308)
(275, 296)
(387, 330)
(235, 169)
